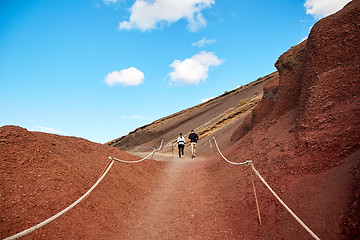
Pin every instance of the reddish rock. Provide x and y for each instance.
(329, 109)
(313, 114)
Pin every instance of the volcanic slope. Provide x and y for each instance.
(304, 137)
(205, 118)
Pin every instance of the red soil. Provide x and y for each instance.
(41, 174)
(320, 198)
(179, 199)
(304, 135)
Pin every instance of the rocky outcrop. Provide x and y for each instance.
(290, 67)
(281, 94)
(260, 111)
(329, 109)
(308, 126)
(320, 79)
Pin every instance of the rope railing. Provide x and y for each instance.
(30, 230)
(284, 205)
(43, 223)
(161, 144)
(249, 162)
(140, 160)
(136, 161)
(234, 163)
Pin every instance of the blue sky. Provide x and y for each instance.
(98, 69)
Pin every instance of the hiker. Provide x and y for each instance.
(181, 144)
(193, 140)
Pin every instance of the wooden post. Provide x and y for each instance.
(256, 200)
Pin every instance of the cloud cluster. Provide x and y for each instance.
(207, 99)
(195, 69)
(204, 41)
(322, 8)
(127, 77)
(147, 15)
(46, 129)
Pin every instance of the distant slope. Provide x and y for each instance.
(205, 118)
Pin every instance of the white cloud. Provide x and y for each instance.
(204, 41)
(46, 129)
(322, 8)
(303, 39)
(195, 69)
(126, 77)
(147, 15)
(207, 99)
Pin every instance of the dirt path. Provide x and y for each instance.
(184, 205)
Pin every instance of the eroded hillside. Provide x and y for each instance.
(205, 118)
(304, 135)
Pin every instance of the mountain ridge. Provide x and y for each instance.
(155, 129)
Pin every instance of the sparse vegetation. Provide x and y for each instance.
(227, 117)
(242, 102)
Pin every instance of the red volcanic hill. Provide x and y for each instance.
(300, 126)
(41, 174)
(304, 135)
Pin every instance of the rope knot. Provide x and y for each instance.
(249, 162)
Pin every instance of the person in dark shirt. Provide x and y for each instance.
(193, 140)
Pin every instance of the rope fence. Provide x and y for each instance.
(234, 163)
(136, 161)
(249, 162)
(284, 205)
(30, 230)
(43, 223)
(110, 164)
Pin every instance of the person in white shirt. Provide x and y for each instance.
(181, 144)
